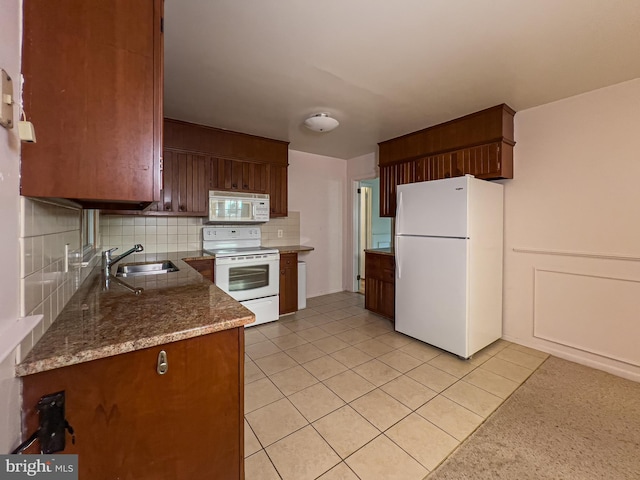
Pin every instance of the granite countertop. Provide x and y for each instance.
(99, 322)
(383, 251)
(292, 248)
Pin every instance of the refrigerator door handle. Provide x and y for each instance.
(397, 254)
(399, 212)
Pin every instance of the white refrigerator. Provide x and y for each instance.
(448, 250)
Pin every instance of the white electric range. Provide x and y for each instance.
(244, 269)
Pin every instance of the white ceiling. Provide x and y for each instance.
(384, 68)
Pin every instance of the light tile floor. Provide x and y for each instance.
(332, 392)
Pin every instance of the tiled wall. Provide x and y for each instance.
(45, 287)
(156, 234)
(290, 227)
(177, 234)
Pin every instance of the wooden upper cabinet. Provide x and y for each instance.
(278, 198)
(390, 177)
(239, 176)
(186, 184)
(179, 135)
(480, 144)
(93, 91)
(492, 125)
(236, 162)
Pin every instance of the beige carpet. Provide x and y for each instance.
(567, 421)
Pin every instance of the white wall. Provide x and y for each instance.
(317, 189)
(9, 220)
(572, 230)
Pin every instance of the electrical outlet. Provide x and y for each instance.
(279, 233)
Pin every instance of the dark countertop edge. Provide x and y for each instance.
(24, 369)
(381, 251)
(292, 248)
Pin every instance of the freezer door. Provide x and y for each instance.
(435, 208)
(431, 291)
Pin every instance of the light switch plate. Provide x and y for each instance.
(6, 100)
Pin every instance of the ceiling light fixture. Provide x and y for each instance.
(321, 122)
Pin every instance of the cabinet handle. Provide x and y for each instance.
(163, 363)
(235, 185)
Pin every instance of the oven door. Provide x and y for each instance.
(247, 277)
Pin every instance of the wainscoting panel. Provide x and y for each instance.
(597, 314)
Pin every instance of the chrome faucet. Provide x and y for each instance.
(107, 260)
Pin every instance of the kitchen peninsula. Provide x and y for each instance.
(133, 416)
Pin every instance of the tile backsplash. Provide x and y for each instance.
(176, 234)
(45, 287)
(156, 234)
(290, 227)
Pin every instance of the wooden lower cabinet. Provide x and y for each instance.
(379, 281)
(133, 423)
(205, 267)
(288, 283)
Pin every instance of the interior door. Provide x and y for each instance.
(431, 291)
(365, 232)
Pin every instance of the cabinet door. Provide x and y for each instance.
(239, 176)
(440, 166)
(405, 172)
(254, 177)
(379, 293)
(390, 177)
(387, 191)
(278, 190)
(93, 90)
(486, 161)
(131, 422)
(186, 183)
(288, 283)
(422, 170)
(205, 267)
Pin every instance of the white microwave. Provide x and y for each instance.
(232, 207)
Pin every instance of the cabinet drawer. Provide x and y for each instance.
(387, 275)
(379, 266)
(288, 259)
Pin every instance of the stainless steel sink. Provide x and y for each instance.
(145, 268)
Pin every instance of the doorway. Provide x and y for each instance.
(373, 231)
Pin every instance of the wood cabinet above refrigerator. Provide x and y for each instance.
(93, 91)
(479, 144)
